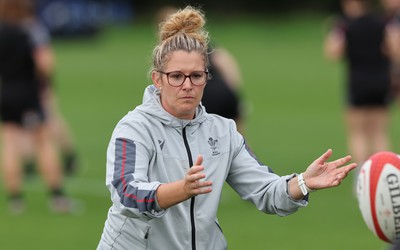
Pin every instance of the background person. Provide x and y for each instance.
(222, 93)
(23, 66)
(59, 128)
(359, 37)
(167, 160)
(391, 10)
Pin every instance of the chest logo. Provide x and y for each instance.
(214, 146)
(161, 142)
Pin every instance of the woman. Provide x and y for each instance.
(360, 38)
(22, 69)
(222, 93)
(168, 159)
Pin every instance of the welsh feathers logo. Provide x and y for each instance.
(161, 142)
(213, 145)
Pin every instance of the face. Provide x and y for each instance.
(391, 5)
(181, 101)
(353, 8)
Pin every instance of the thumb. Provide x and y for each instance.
(199, 160)
(325, 156)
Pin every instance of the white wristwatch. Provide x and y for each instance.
(302, 185)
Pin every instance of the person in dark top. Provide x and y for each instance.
(360, 38)
(221, 94)
(21, 110)
(391, 10)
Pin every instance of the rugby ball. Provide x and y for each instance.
(378, 195)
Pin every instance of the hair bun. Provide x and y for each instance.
(188, 21)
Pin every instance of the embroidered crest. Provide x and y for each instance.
(161, 142)
(213, 145)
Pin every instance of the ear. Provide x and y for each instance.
(155, 77)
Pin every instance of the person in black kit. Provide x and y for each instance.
(221, 94)
(21, 111)
(360, 38)
(391, 10)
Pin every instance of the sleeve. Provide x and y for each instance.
(127, 168)
(257, 183)
(39, 35)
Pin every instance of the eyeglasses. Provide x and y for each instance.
(177, 78)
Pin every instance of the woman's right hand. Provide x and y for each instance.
(193, 184)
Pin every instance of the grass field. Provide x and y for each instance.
(294, 103)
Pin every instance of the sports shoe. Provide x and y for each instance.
(16, 206)
(61, 205)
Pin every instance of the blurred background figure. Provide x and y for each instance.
(26, 66)
(359, 37)
(391, 10)
(222, 94)
(60, 130)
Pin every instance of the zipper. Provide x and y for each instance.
(192, 200)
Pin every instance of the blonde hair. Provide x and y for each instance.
(183, 30)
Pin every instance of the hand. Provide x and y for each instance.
(322, 174)
(192, 182)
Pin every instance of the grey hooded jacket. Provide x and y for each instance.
(149, 147)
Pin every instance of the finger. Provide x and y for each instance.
(202, 187)
(199, 160)
(346, 169)
(202, 191)
(325, 156)
(350, 167)
(335, 183)
(197, 165)
(202, 184)
(196, 177)
(194, 170)
(341, 161)
(343, 172)
(338, 178)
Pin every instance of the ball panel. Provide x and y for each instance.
(363, 195)
(378, 161)
(378, 193)
(383, 203)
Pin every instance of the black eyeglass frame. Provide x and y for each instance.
(208, 77)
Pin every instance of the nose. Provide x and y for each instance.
(187, 83)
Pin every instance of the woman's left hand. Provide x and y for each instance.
(322, 174)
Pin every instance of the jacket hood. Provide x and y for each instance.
(151, 106)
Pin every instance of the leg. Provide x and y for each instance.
(378, 120)
(60, 132)
(49, 164)
(50, 168)
(12, 141)
(356, 124)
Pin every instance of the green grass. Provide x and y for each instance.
(294, 102)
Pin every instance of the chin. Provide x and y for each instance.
(187, 113)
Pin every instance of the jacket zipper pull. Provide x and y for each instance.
(147, 234)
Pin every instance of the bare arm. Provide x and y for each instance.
(44, 60)
(334, 45)
(392, 42)
(227, 65)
